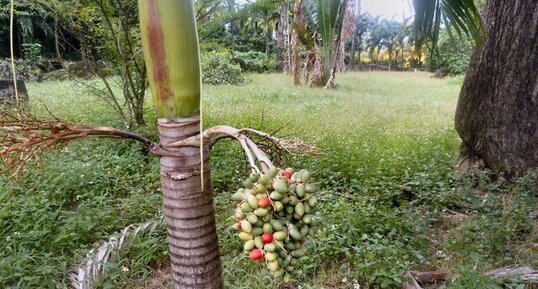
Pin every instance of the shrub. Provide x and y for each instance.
(254, 61)
(454, 55)
(217, 68)
(32, 52)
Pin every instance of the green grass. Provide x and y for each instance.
(376, 131)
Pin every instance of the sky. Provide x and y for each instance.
(388, 8)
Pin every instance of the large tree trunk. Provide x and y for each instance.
(296, 45)
(348, 30)
(282, 37)
(497, 113)
(190, 216)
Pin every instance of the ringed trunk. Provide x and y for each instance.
(190, 216)
(171, 54)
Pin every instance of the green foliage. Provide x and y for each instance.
(254, 61)
(31, 21)
(108, 32)
(502, 221)
(462, 15)
(453, 54)
(48, 220)
(32, 52)
(217, 68)
(325, 18)
(375, 239)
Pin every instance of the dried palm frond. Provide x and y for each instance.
(88, 272)
(22, 140)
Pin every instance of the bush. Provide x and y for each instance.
(254, 61)
(217, 68)
(454, 55)
(32, 52)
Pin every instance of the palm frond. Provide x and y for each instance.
(88, 272)
(462, 15)
(326, 18)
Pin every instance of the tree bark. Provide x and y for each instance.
(282, 36)
(390, 56)
(354, 40)
(497, 112)
(295, 59)
(349, 25)
(189, 211)
(352, 53)
(268, 38)
(403, 51)
(57, 40)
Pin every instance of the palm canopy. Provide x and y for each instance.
(461, 15)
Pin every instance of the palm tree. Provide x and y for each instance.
(390, 30)
(461, 15)
(171, 53)
(325, 20)
(497, 112)
(403, 36)
(356, 34)
(265, 15)
(362, 27)
(374, 40)
(170, 45)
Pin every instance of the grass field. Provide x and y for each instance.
(376, 131)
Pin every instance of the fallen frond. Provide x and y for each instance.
(93, 267)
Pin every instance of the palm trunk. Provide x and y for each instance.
(192, 235)
(403, 58)
(171, 54)
(340, 56)
(295, 60)
(497, 113)
(282, 36)
(356, 18)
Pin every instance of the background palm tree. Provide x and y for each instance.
(325, 20)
